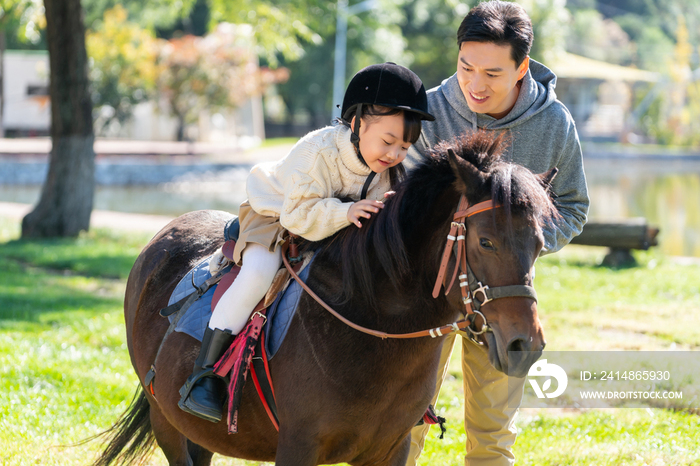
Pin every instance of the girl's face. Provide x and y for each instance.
(381, 141)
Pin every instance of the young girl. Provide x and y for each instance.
(358, 159)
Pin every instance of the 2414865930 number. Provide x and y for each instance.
(635, 375)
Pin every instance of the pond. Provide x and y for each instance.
(665, 190)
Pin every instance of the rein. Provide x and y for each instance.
(468, 283)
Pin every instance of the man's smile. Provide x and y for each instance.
(478, 98)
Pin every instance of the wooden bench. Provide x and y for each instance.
(621, 236)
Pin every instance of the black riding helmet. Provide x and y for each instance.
(389, 85)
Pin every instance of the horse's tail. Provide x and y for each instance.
(131, 438)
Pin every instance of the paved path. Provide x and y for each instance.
(100, 218)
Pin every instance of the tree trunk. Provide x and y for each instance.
(66, 199)
(180, 127)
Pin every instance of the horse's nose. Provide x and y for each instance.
(518, 344)
(522, 344)
(522, 355)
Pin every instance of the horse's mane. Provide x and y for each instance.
(380, 245)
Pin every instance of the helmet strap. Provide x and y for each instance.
(355, 139)
(365, 187)
(355, 136)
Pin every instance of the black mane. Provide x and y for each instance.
(380, 246)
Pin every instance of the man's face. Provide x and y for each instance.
(488, 77)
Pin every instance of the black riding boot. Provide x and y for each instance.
(204, 392)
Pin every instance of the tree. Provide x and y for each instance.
(66, 199)
(123, 68)
(593, 36)
(149, 14)
(549, 20)
(280, 27)
(430, 29)
(372, 37)
(217, 72)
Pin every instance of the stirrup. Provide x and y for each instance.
(186, 389)
(192, 380)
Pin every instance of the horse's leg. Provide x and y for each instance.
(295, 451)
(399, 455)
(200, 455)
(170, 440)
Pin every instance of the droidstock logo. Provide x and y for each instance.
(542, 369)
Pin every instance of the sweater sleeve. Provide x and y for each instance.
(309, 210)
(571, 196)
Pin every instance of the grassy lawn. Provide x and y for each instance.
(65, 373)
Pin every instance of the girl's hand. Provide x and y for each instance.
(363, 209)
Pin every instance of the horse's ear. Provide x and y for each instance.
(467, 176)
(547, 177)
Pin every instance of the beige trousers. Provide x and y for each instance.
(488, 420)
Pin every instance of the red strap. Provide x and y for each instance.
(463, 212)
(461, 231)
(445, 259)
(262, 396)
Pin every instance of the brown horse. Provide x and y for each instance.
(342, 395)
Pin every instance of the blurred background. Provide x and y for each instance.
(187, 94)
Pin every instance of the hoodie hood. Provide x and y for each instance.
(536, 94)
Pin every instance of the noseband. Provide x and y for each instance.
(467, 282)
(469, 286)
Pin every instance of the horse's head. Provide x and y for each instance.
(502, 244)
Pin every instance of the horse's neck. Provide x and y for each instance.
(424, 225)
(424, 231)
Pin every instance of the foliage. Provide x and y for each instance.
(280, 27)
(592, 35)
(674, 116)
(215, 73)
(123, 68)
(22, 20)
(416, 33)
(149, 15)
(549, 18)
(430, 29)
(419, 34)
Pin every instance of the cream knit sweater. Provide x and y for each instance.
(302, 188)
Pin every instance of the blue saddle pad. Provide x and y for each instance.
(281, 312)
(194, 321)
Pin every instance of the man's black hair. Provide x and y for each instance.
(499, 22)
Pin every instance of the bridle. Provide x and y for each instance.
(468, 283)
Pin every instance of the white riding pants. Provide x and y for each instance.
(258, 269)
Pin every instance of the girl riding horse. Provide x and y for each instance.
(381, 115)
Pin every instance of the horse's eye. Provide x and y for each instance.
(486, 244)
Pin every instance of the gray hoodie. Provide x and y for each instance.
(543, 136)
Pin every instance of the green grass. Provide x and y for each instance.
(65, 373)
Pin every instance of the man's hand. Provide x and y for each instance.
(363, 209)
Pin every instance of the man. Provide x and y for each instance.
(498, 87)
